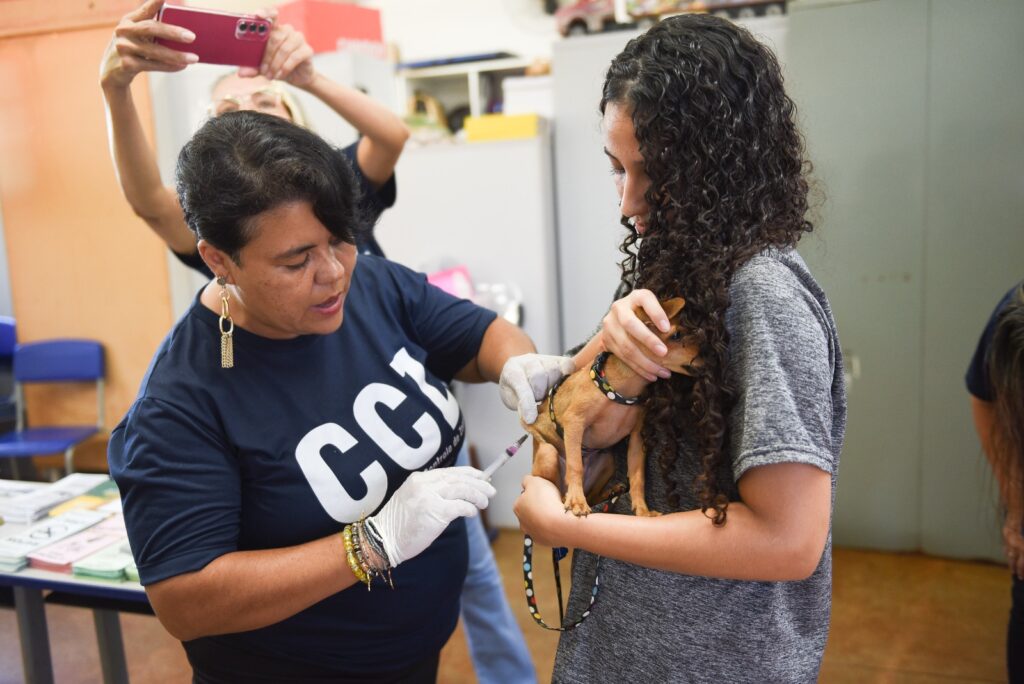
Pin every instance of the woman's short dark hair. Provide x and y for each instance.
(720, 145)
(241, 164)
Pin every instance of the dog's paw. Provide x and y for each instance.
(642, 511)
(577, 504)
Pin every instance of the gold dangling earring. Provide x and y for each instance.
(227, 347)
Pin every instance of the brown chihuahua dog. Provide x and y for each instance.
(598, 407)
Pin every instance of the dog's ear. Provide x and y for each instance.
(673, 306)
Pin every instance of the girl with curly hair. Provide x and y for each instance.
(732, 581)
(995, 381)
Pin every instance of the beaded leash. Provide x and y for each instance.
(558, 554)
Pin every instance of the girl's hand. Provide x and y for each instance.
(288, 56)
(539, 509)
(133, 48)
(629, 338)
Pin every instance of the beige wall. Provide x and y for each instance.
(81, 264)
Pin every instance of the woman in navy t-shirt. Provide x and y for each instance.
(298, 396)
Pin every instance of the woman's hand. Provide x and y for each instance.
(1013, 542)
(133, 48)
(629, 338)
(525, 380)
(539, 509)
(288, 56)
(423, 507)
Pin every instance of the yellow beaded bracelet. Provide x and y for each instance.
(353, 564)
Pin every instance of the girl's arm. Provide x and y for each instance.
(777, 532)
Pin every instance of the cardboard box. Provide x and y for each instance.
(327, 24)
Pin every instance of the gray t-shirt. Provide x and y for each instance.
(654, 626)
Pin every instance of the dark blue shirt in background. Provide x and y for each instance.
(978, 382)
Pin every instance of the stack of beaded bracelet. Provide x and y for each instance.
(357, 564)
(360, 539)
(369, 535)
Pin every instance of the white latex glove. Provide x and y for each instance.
(525, 380)
(423, 507)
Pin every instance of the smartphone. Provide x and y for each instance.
(221, 37)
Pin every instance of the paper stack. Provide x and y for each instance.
(59, 557)
(15, 547)
(115, 523)
(29, 507)
(108, 564)
(112, 506)
(12, 488)
(94, 499)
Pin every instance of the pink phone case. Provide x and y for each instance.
(221, 37)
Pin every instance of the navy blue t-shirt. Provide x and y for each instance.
(374, 202)
(300, 437)
(978, 382)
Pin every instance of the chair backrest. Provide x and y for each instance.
(58, 361)
(8, 337)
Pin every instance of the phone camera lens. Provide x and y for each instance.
(243, 26)
(262, 28)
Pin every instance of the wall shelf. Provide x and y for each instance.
(473, 73)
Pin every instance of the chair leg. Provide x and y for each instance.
(69, 460)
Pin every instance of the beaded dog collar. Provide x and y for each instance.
(598, 376)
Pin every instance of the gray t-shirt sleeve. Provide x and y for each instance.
(783, 356)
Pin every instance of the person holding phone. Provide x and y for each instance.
(496, 642)
(288, 59)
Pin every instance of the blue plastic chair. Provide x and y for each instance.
(8, 338)
(50, 362)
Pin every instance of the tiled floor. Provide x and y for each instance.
(896, 618)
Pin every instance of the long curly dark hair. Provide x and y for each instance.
(1006, 373)
(720, 145)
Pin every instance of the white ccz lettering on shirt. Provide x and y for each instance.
(334, 498)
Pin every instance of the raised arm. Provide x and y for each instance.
(131, 51)
(289, 58)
